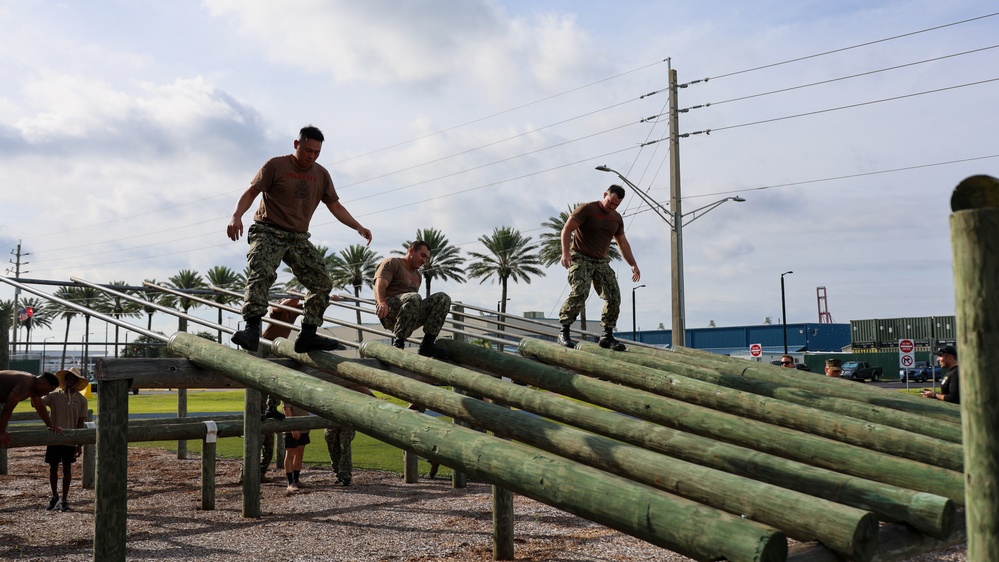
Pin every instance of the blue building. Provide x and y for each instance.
(735, 340)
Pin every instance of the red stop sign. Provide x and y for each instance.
(906, 346)
(756, 350)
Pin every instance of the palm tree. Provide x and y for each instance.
(121, 307)
(186, 279)
(511, 256)
(67, 313)
(354, 267)
(551, 247)
(151, 297)
(92, 299)
(225, 278)
(445, 260)
(42, 314)
(6, 319)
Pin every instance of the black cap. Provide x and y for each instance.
(949, 350)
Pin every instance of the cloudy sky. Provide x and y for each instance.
(128, 129)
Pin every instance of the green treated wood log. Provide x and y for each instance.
(641, 511)
(732, 377)
(753, 406)
(111, 488)
(974, 228)
(760, 436)
(830, 386)
(846, 530)
(929, 513)
(251, 453)
(207, 475)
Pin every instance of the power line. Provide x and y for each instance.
(840, 50)
(831, 109)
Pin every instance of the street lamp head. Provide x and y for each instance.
(603, 168)
(786, 273)
(637, 287)
(738, 199)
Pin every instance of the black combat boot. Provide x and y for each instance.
(272, 410)
(608, 341)
(399, 342)
(249, 337)
(565, 338)
(429, 349)
(308, 341)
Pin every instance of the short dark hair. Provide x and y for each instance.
(616, 189)
(309, 132)
(417, 244)
(50, 378)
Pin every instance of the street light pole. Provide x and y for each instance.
(783, 308)
(634, 321)
(676, 239)
(675, 222)
(43, 351)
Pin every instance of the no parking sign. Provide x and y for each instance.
(906, 353)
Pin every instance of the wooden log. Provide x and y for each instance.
(207, 475)
(829, 386)
(731, 377)
(760, 436)
(848, 531)
(251, 453)
(929, 513)
(111, 489)
(974, 227)
(647, 513)
(754, 406)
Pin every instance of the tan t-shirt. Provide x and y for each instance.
(66, 409)
(400, 279)
(597, 227)
(291, 195)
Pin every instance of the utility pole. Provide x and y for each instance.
(676, 235)
(17, 292)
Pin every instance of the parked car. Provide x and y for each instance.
(861, 371)
(920, 372)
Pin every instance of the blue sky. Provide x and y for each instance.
(128, 129)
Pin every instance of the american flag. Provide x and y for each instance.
(25, 314)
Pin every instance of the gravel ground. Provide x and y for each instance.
(377, 518)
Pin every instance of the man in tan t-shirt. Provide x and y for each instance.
(398, 303)
(292, 187)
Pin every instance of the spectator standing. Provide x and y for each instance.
(293, 187)
(787, 361)
(586, 239)
(950, 386)
(69, 409)
(294, 448)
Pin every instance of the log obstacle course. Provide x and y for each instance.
(706, 455)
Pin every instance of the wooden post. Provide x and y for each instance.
(503, 524)
(974, 230)
(251, 454)
(182, 413)
(458, 479)
(111, 490)
(89, 458)
(641, 511)
(208, 474)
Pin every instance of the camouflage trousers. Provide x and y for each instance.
(338, 439)
(409, 311)
(583, 272)
(269, 246)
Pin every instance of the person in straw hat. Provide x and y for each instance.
(69, 409)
